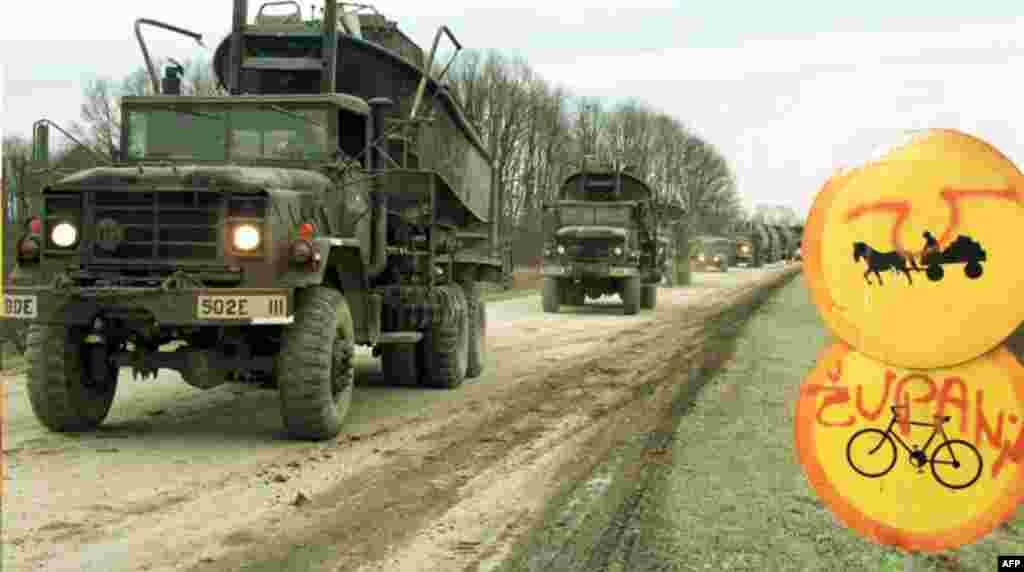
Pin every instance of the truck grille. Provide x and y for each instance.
(153, 227)
(589, 248)
(156, 226)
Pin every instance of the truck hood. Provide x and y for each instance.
(220, 176)
(591, 232)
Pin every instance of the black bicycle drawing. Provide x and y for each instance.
(963, 458)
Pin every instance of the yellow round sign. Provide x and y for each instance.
(911, 257)
(922, 460)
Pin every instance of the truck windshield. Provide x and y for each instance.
(588, 215)
(258, 132)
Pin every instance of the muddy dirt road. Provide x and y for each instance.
(181, 479)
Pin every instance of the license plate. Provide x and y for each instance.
(20, 306)
(242, 307)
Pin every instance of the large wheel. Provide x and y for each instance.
(15, 331)
(476, 310)
(631, 289)
(67, 392)
(551, 295)
(960, 461)
(934, 272)
(871, 452)
(649, 296)
(444, 349)
(314, 370)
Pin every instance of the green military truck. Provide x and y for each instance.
(788, 241)
(268, 233)
(711, 253)
(602, 239)
(798, 233)
(752, 244)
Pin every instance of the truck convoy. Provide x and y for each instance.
(337, 197)
(602, 239)
(712, 253)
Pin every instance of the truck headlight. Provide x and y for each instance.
(617, 251)
(64, 234)
(700, 257)
(246, 237)
(561, 249)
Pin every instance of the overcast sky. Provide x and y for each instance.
(787, 90)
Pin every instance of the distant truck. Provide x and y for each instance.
(601, 239)
(798, 232)
(753, 244)
(776, 244)
(711, 253)
(788, 242)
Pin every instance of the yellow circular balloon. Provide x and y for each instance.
(881, 470)
(914, 258)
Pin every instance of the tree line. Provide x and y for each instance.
(536, 131)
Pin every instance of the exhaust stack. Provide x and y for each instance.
(238, 21)
(330, 47)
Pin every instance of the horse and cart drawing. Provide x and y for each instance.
(963, 250)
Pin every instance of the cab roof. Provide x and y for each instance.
(340, 100)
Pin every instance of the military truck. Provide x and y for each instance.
(752, 243)
(711, 253)
(798, 233)
(788, 242)
(343, 199)
(775, 245)
(602, 239)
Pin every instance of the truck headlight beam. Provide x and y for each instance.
(246, 237)
(64, 234)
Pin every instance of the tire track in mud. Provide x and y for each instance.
(612, 546)
(410, 511)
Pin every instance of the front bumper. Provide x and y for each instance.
(588, 270)
(186, 306)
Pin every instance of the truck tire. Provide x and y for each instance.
(649, 296)
(15, 331)
(314, 370)
(444, 349)
(631, 292)
(63, 394)
(551, 295)
(476, 311)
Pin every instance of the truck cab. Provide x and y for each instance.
(601, 240)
